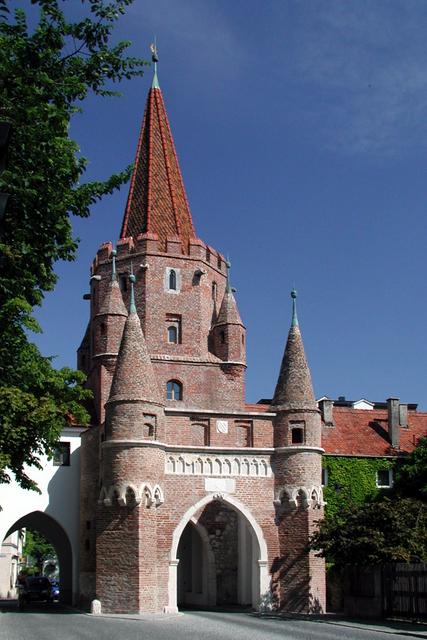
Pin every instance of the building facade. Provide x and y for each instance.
(180, 493)
(189, 496)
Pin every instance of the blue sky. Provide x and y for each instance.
(301, 130)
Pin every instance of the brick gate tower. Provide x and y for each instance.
(189, 495)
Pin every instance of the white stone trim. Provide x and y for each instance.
(211, 464)
(299, 448)
(210, 412)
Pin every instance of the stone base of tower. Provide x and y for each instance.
(299, 575)
(127, 569)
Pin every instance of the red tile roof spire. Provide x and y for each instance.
(157, 202)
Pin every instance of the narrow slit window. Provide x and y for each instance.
(172, 279)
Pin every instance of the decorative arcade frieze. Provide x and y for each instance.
(130, 495)
(255, 466)
(299, 496)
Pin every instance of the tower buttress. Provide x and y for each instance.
(297, 465)
(132, 474)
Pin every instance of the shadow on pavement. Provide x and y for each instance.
(8, 606)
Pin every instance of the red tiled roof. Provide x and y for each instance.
(157, 202)
(362, 432)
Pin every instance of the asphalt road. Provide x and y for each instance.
(54, 623)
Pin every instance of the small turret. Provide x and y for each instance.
(228, 332)
(108, 323)
(134, 409)
(297, 463)
(294, 391)
(107, 329)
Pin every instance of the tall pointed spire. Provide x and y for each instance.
(134, 377)
(157, 202)
(294, 387)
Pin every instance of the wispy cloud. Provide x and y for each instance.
(366, 62)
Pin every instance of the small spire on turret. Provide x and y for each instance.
(228, 288)
(155, 59)
(132, 278)
(294, 386)
(113, 272)
(294, 294)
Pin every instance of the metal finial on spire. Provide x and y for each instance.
(294, 322)
(155, 59)
(228, 288)
(113, 272)
(132, 278)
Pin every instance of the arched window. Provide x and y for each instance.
(222, 337)
(214, 290)
(172, 279)
(173, 390)
(173, 334)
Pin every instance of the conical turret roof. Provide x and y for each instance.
(157, 202)
(134, 377)
(294, 388)
(112, 304)
(228, 313)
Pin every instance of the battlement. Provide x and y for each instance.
(148, 243)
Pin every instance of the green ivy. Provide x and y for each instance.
(351, 481)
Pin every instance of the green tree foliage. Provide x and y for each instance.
(411, 476)
(38, 549)
(45, 74)
(387, 530)
(382, 527)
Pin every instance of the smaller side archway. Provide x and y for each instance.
(196, 582)
(52, 530)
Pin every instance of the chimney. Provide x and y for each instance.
(403, 415)
(325, 406)
(394, 421)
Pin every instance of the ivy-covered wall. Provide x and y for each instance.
(351, 480)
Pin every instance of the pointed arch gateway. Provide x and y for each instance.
(253, 578)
